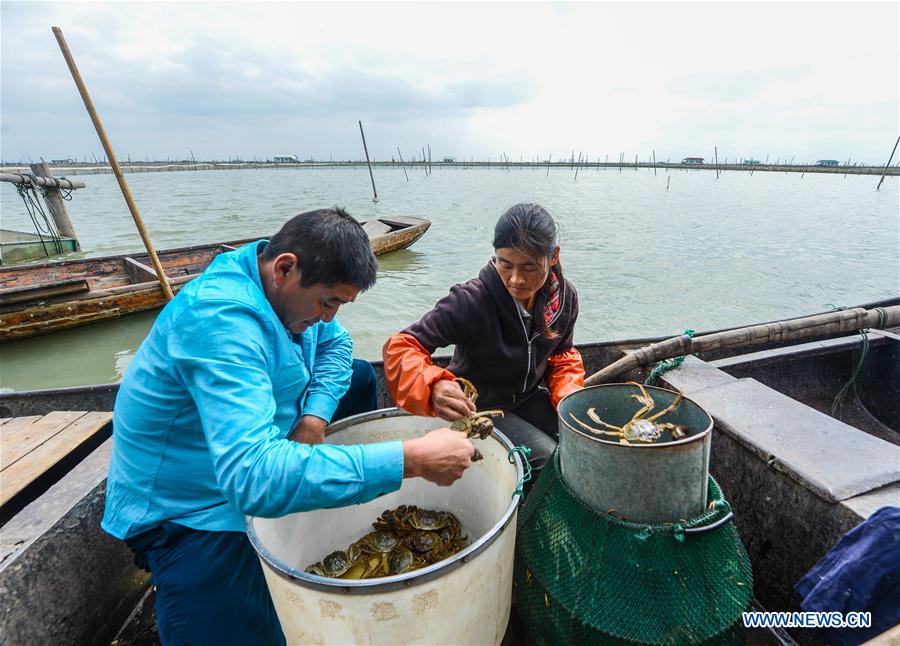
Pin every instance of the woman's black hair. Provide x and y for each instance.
(530, 229)
(331, 248)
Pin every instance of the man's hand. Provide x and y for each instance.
(310, 430)
(449, 401)
(440, 456)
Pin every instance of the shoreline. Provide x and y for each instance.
(163, 167)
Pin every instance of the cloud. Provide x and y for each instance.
(525, 79)
(733, 86)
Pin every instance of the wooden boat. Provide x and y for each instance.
(20, 246)
(786, 518)
(53, 296)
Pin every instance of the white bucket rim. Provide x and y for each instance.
(383, 584)
(699, 437)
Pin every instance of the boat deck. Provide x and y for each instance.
(34, 445)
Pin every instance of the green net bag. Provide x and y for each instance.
(585, 577)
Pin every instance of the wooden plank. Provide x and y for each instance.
(19, 443)
(14, 424)
(45, 290)
(138, 272)
(25, 471)
(404, 220)
(376, 228)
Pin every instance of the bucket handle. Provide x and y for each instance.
(708, 528)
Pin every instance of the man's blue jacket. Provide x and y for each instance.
(201, 420)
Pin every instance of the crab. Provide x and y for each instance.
(395, 520)
(423, 541)
(405, 538)
(428, 520)
(333, 565)
(400, 560)
(638, 428)
(475, 424)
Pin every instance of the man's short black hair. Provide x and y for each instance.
(331, 247)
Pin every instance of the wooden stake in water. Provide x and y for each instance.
(577, 166)
(366, 149)
(549, 159)
(668, 179)
(654, 164)
(888, 164)
(716, 148)
(402, 165)
(114, 163)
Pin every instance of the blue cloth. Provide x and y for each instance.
(861, 573)
(210, 587)
(201, 420)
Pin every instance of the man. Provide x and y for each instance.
(222, 413)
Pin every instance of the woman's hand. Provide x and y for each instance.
(449, 401)
(310, 430)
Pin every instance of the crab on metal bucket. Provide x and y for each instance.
(638, 428)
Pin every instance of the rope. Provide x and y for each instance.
(838, 404)
(525, 453)
(668, 364)
(33, 206)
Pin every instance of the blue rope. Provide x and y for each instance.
(525, 453)
(668, 364)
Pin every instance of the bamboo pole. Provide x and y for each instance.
(888, 164)
(716, 148)
(114, 163)
(399, 154)
(365, 148)
(830, 323)
(16, 178)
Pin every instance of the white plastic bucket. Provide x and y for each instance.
(462, 600)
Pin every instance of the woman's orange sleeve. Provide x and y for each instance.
(565, 374)
(409, 372)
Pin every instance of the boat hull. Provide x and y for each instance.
(120, 285)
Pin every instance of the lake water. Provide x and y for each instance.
(706, 253)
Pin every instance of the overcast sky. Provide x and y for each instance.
(808, 80)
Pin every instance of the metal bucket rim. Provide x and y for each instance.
(699, 437)
(383, 584)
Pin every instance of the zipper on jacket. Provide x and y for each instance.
(528, 342)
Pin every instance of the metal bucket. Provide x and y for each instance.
(648, 483)
(462, 600)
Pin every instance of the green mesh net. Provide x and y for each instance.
(585, 577)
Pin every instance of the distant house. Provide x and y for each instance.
(692, 160)
(285, 159)
(828, 162)
(751, 162)
(449, 160)
(62, 161)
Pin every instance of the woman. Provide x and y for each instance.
(512, 327)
